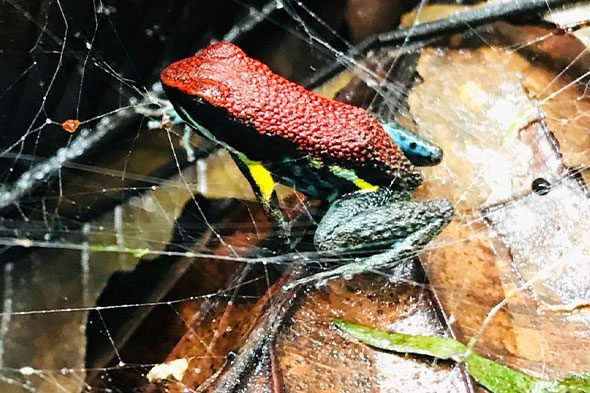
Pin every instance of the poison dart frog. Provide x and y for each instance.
(276, 130)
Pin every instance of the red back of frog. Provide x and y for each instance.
(252, 95)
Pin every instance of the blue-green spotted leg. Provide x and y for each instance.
(420, 151)
(389, 225)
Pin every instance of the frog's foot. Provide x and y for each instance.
(372, 223)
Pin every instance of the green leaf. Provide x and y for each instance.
(572, 384)
(501, 379)
(493, 376)
(438, 347)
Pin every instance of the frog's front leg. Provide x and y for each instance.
(420, 151)
(387, 224)
(263, 186)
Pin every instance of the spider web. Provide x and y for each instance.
(128, 241)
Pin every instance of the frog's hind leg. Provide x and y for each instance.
(389, 225)
(263, 185)
(400, 252)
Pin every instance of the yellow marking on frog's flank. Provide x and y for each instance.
(365, 185)
(263, 179)
(261, 176)
(351, 176)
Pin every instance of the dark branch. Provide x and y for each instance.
(456, 23)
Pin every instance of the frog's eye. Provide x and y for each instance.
(419, 151)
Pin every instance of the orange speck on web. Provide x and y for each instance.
(70, 125)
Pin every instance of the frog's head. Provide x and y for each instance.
(204, 75)
(210, 92)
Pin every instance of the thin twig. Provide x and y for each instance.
(254, 18)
